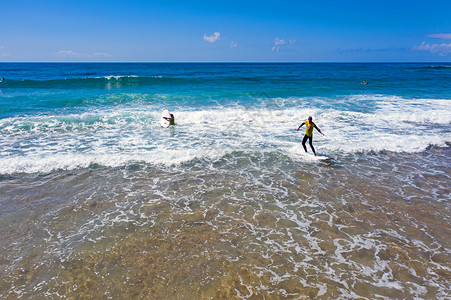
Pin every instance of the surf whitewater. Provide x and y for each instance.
(96, 198)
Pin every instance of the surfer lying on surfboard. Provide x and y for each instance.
(309, 133)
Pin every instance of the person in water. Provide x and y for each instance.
(171, 119)
(309, 133)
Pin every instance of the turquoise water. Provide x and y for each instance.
(79, 110)
(86, 167)
(42, 88)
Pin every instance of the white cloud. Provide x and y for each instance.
(212, 38)
(440, 49)
(277, 43)
(101, 54)
(3, 52)
(233, 44)
(444, 36)
(67, 53)
(72, 54)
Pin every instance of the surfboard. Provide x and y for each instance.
(310, 156)
(319, 157)
(165, 123)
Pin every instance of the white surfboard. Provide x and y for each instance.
(310, 156)
(298, 153)
(320, 157)
(165, 123)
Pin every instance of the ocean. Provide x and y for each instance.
(98, 201)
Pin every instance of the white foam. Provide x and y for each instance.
(122, 135)
(117, 77)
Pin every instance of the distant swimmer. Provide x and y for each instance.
(364, 82)
(309, 133)
(3, 79)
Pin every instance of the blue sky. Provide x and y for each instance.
(253, 31)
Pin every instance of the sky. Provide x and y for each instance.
(225, 31)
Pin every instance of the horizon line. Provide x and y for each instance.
(232, 62)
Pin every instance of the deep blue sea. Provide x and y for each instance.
(97, 198)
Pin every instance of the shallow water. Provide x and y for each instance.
(246, 225)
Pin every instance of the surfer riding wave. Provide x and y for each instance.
(309, 133)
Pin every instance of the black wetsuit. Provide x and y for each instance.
(310, 138)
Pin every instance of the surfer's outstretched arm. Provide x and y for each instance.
(300, 126)
(318, 129)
